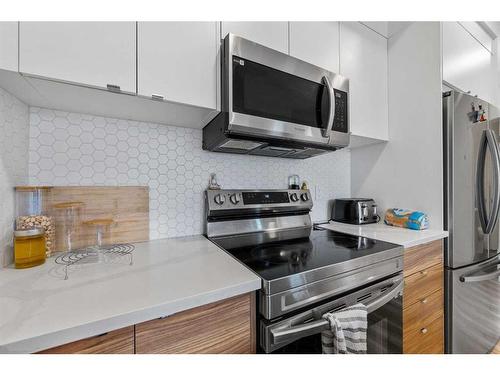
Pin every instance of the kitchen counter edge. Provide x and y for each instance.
(380, 231)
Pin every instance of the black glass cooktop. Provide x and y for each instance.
(280, 254)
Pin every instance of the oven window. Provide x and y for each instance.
(262, 91)
(384, 334)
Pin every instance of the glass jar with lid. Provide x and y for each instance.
(34, 210)
(29, 247)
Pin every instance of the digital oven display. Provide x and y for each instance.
(265, 197)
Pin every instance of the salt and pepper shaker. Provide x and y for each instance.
(212, 182)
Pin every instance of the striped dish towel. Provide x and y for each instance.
(347, 333)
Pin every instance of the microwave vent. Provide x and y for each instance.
(272, 151)
(236, 144)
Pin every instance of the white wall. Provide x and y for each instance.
(81, 149)
(407, 172)
(13, 165)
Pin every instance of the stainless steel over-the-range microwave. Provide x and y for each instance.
(276, 105)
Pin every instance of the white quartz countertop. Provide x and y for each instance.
(380, 231)
(39, 309)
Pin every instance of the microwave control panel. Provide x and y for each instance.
(340, 121)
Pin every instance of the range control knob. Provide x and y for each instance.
(219, 199)
(304, 197)
(294, 197)
(234, 199)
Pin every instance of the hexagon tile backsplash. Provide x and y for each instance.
(79, 149)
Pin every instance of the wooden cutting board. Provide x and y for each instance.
(126, 208)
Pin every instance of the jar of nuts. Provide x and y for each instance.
(33, 210)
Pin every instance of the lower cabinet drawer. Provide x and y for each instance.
(425, 338)
(423, 312)
(421, 284)
(222, 327)
(120, 341)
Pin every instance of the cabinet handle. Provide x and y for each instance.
(424, 300)
(423, 330)
(115, 88)
(157, 97)
(99, 335)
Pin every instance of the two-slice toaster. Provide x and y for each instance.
(355, 211)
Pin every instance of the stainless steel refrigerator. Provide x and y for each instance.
(472, 204)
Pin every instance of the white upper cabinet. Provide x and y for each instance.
(89, 53)
(363, 59)
(467, 64)
(270, 34)
(316, 43)
(178, 61)
(8, 45)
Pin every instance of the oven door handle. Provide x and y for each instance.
(331, 114)
(289, 334)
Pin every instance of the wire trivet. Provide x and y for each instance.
(94, 255)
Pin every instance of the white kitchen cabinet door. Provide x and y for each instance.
(8, 45)
(467, 65)
(316, 43)
(178, 61)
(89, 53)
(270, 34)
(363, 59)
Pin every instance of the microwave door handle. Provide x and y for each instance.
(331, 114)
(289, 334)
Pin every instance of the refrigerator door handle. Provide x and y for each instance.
(495, 157)
(495, 274)
(488, 142)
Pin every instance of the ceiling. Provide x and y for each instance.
(492, 28)
(388, 29)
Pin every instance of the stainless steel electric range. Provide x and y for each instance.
(306, 271)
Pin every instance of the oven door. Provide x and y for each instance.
(302, 333)
(272, 95)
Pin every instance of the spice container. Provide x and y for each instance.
(33, 210)
(29, 247)
(294, 182)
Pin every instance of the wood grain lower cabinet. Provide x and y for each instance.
(423, 300)
(425, 340)
(496, 349)
(120, 341)
(226, 326)
(422, 284)
(419, 258)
